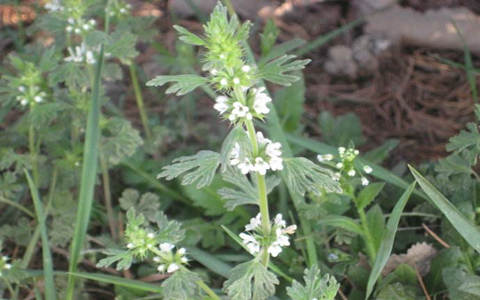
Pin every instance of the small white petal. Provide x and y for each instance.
(166, 247)
(246, 68)
(367, 169)
(172, 268)
(161, 268)
(365, 181)
(351, 173)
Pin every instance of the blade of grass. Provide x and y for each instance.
(464, 226)
(386, 246)
(469, 68)
(115, 280)
(270, 264)
(211, 262)
(47, 256)
(89, 169)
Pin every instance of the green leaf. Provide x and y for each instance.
(168, 230)
(269, 36)
(316, 286)
(368, 194)
(148, 204)
(123, 45)
(188, 37)
(119, 140)
(289, 103)
(182, 285)
(123, 259)
(250, 281)
(461, 285)
(467, 230)
(280, 50)
(210, 261)
(376, 224)
(120, 281)
(275, 70)
(345, 223)
(245, 192)
(396, 291)
(47, 256)
(386, 246)
(87, 184)
(302, 175)
(182, 84)
(196, 169)
(341, 130)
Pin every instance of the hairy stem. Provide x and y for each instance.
(33, 153)
(139, 98)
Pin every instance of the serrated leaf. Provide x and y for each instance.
(123, 45)
(188, 37)
(123, 259)
(119, 140)
(182, 285)
(182, 84)
(148, 204)
(196, 169)
(245, 192)
(275, 70)
(368, 194)
(250, 281)
(302, 175)
(168, 230)
(268, 37)
(316, 286)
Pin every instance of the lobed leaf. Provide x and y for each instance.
(196, 169)
(275, 70)
(182, 84)
(188, 37)
(302, 175)
(316, 286)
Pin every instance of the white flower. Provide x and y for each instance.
(273, 149)
(181, 251)
(222, 56)
(336, 176)
(80, 54)
(184, 260)
(365, 181)
(261, 166)
(246, 68)
(166, 247)
(161, 268)
(213, 72)
(54, 6)
(21, 89)
(250, 242)
(339, 165)
(326, 157)
(274, 249)
(223, 82)
(130, 245)
(254, 223)
(8, 266)
(356, 152)
(221, 104)
(261, 139)
(351, 173)
(236, 80)
(260, 101)
(235, 155)
(276, 163)
(38, 99)
(240, 111)
(151, 235)
(172, 268)
(157, 259)
(367, 169)
(245, 166)
(279, 221)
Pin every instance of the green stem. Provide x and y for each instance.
(207, 290)
(18, 206)
(139, 98)
(33, 153)
(108, 197)
(10, 288)
(369, 242)
(230, 8)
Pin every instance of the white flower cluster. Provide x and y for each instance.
(279, 237)
(270, 157)
(346, 165)
(54, 6)
(118, 10)
(81, 54)
(79, 25)
(4, 265)
(30, 95)
(168, 260)
(235, 110)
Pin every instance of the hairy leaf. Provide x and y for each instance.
(316, 286)
(148, 204)
(182, 285)
(182, 84)
(303, 175)
(196, 169)
(119, 140)
(276, 70)
(123, 259)
(188, 37)
(250, 281)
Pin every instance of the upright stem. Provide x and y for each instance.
(207, 290)
(33, 153)
(262, 192)
(139, 98)
(108, 197)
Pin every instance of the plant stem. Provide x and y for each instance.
(33, 153)
(18, 206)
(369, 243)
(10, 289)
(262, 192)
(108, 197)
(139, 98)
(207, 290)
